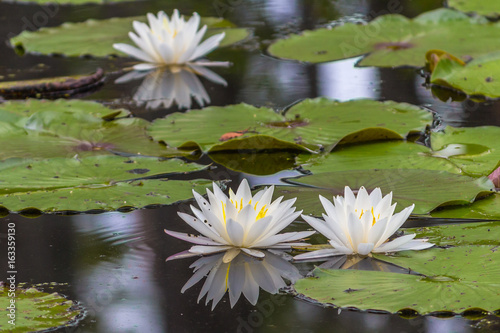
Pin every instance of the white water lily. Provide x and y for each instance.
(241, 222)
(168, 41)
(362, 224)
(243, 275)
(172, 85)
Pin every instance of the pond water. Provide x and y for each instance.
(114, 263)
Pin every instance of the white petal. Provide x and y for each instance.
(319, 254)
(393, 245)
(133, 51)
(365, 248)
(191, 238)
(355, 231)
(230, 255)
(254, 253)
(204, 250)
(235, 231)
(207, 46)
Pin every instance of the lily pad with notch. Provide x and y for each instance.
(96, 37)
(313, 125)
(453, 280)
(394, 40)
(487, 208)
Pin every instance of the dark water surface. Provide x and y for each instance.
(114, 263)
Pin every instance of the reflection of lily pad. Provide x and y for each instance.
(37, 311)
(377, 155)
(474, 150)
(96, 37)
(93, 183)
(480, 77)
(457, 279)
(63, 86)
(427, 189)
(317, 124)
(42, 129)
(482, 7)
(394, 40)
(487, 233)
(487, 208)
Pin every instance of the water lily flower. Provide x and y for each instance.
(240, 222)
(172, 85)
(243, 275)
(168, 41)
(362, 224)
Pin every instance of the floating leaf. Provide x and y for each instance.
(473, 149)
(257, 163)
(427, 189)
(96, 37)
(37, 310)
(43, 129)
(482, 7)
(377, 155)
(93, 183)
(315, 124)
(457, 279)
(480, 77)
(394, 40)
(56, 87)
(487, 233)
(486, 208)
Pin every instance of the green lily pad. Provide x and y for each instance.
(480, 77)
(487, 233)
(45, 129)
(312, 125)
(37, 310)
(473, 149)
(455, 280)
(63, 86)
(377, 155)
(486, 208)
(260, 163)
(427, 189)
(394, 40)
(482, 7)
(96, 37)
(93, 183)
(29, 107)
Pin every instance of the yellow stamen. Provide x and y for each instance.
(262, 213)
(223, 211)
(227, 273)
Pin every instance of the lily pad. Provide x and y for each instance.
(482, 7)
(394, 40)
(44, 129)
(56, 87)
(486, 208)
(480, 77)
(96, 37)
(259, 163)
(377, 155)
(473, 149)
(99, 183)
(37, 310)
(487, 233)
(454, 280)
(312, 125)
(427, 189)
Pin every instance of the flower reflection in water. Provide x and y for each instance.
(174, 85)
(243, 275)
